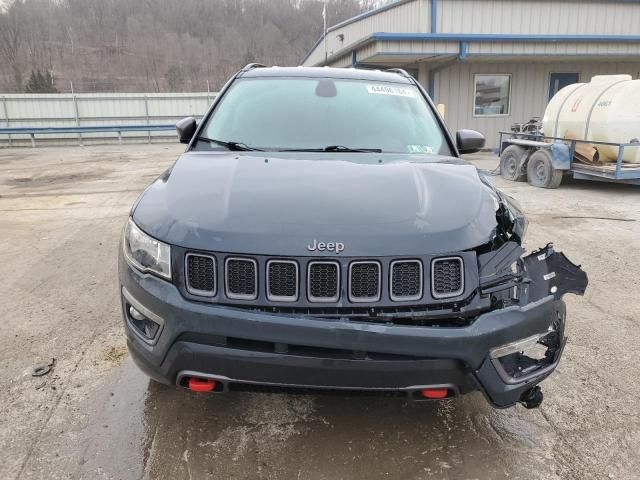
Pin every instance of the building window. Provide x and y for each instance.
(492, 94)
(557, 81)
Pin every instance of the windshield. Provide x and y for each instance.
(316, 114)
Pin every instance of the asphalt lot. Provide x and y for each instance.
(96, 416)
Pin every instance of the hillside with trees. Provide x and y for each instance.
(153, 45)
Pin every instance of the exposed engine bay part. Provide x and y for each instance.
(511, 222)
(539, 274)
(552, 273)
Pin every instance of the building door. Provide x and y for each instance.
(557, 81)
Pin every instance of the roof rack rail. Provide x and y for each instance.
(399, 71)
(251, 66)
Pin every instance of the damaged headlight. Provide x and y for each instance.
(146, 253)
(516, 216)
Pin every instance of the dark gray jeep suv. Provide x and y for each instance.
(321, 232)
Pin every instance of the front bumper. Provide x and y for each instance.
(238, 346)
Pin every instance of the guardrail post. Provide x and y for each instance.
(146, 112)
(75, 108)
(33, 140)
(120, 137)
(6, 117)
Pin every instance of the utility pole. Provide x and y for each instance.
(324, 31)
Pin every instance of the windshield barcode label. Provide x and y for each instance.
(389, 90)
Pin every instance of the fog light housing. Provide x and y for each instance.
(530, 357)
(135, 314)
(142, 321)
(144, 326)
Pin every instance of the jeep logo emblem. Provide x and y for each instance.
(317, 246)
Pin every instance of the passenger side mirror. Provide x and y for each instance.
(186, 128)
(469, 141)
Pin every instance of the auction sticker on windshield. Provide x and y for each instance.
(391, 90)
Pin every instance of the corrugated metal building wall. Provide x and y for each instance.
(414, 15)
(446, 43)
(529, 91)
(540, 17)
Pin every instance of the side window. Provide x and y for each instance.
(492, 94)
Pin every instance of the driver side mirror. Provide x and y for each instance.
(186, 128)
(469, 141)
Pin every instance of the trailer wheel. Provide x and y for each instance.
(510, 163)
(540, 171)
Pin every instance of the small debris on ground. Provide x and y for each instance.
(41, 369)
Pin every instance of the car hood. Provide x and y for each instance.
(376, 205)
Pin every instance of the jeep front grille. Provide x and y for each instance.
(323, 282)
(241, 278)
(200, 271)
(282, 280)
(406, 280)
(326, 282)
(447, 277)
(364, 281)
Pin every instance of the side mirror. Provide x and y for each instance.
(186, 128)
(469, 141)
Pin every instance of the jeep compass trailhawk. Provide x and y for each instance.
(321, 232)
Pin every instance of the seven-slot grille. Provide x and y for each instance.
(282, 280)
(241, 278)
(323, 282)
(201, 274)
(364, 281)
(406, 280)
(323, 285)
(447, 279)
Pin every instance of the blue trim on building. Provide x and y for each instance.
(440, 54)
(489, 37)
(434, 16)
(464, 47)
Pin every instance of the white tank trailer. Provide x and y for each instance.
(590, 131)
(607, 109)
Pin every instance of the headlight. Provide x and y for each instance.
(146, 253)
(517, 217)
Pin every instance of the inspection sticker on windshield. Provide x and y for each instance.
(419, 149)
(390, 90)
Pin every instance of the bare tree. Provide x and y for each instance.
(154, 45)
(12, 22)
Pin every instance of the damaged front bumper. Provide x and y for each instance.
(542, 274)
(523, 309)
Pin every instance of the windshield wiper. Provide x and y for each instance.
(234, 146)
(335, 148)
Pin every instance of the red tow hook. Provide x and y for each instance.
(434, 393)
(201, 384)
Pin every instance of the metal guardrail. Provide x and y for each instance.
(80, 130)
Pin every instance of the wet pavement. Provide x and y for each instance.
(95, 415)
